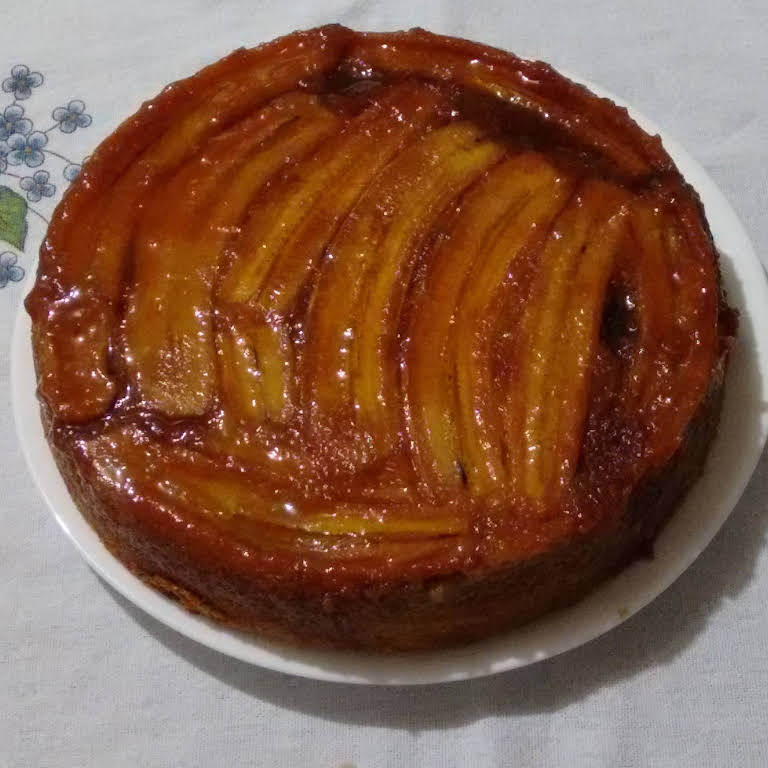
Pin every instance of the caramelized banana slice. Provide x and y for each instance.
(179, 248)
(285, 209)
(376, 373)
(286, 236)
(417, 107)
(335, 300)
(521, 84)
(674, 346)
(407, 113)
(239, 376)
(225, 496)
(532, 412)
(385, 228)
(417, 188)
(652, 297)
(538, 329)
(158, 472)
(69, 240)
(430, 379)
(564, 429)
(691, 351)
(544, 194)
(75, 378)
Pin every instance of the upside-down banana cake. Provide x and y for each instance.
(385, 341)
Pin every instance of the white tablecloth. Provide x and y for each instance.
(88, 680)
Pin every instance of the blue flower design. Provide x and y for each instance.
(9, 272)
(72, 171)
(37, 186)
(28, 150)
(13, 121)
(72, 116)
(21, 82)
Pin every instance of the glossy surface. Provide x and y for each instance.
(741, 435)
(420, 308)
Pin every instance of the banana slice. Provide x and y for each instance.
(544, 194)
(430, 373)
(179, 248)
(532, 412)
(372, 257)
(402, 53)
(286, 237)
(158, 472)
(76, 379)
(451, 160)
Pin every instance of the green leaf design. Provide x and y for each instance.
(13, 218)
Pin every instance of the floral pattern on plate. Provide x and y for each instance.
(29, 169)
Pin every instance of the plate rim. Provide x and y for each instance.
(453, 665)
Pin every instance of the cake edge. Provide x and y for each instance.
(439, 612)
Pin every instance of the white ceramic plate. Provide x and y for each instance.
(733, 457)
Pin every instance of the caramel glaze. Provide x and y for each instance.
(354, 309)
